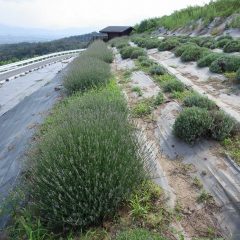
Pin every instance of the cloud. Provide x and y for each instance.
(87, 13)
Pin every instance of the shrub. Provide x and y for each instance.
(119, 42)
(86, 72)
(209, 44)
(152, 43)
(168, 45)
(193, 53)
(87, 161)
(173, 85)
(222, 126)
(180, 50)
(228, 37)
(238, 75)
(137, 52)
(199, 101)
(225, 64)
(126, 52)
(138, 234)
(192, 124)
(159, 99)
(233, 46)
(143, 58)
(147, 63)
(157, 70)
(99, 49)
(222, 43)
(206, 61)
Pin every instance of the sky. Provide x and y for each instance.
(85, 14)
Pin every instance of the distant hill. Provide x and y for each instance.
(19, 51)
(11, 34)
(214, 18)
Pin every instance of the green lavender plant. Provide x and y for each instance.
(87, 162)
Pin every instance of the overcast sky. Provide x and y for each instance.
(57, 14)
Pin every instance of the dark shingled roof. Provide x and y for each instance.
(115, 29)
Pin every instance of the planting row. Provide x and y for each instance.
(201, 118)
(191, 51)
(87, 160)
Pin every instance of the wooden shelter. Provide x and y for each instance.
(116, 31)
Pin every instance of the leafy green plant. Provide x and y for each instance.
(173, 85)
(222, 126)
(192, 124)
(232, 46)
(138, 208)
(87, 161)
(197, 100)
(225, 64)
(86, 72)
(157, 70)
(27, 226)
(99, 49)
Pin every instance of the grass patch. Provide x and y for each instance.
(142, 108)
(232, 147)
(181, 95)
(186, 17)
(139, 234)
(137, 90)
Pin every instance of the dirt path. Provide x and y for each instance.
(201, 80)
(179, 163)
